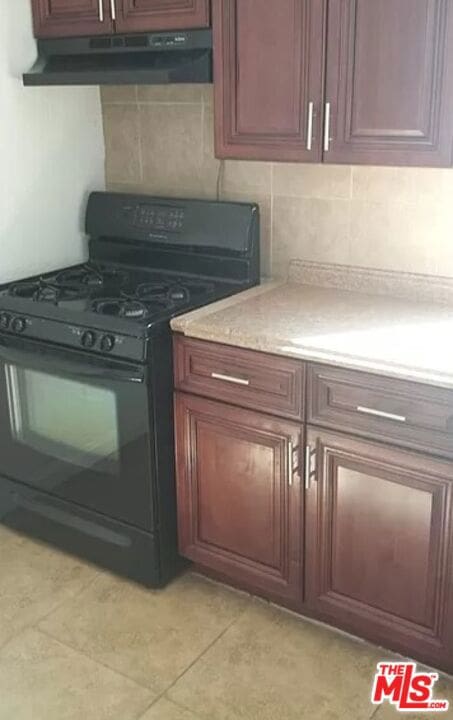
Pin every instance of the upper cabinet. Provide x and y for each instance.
(341, 81)
(142, 15)
(268, 76)
(390, 82)
(64, 18)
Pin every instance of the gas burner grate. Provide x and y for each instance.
(129, 308)
(42, 291)
(93, 276)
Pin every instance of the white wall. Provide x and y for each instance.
(51, 156)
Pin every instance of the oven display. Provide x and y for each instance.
(158, 218)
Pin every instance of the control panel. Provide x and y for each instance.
(155, 218)
(94, 340)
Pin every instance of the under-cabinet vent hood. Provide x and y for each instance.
(145, 59)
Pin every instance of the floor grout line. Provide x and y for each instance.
(86, 654)
(191, 665)
(34, 623)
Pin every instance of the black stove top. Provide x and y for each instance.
(140, 296)
(150, 259)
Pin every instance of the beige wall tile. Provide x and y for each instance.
(171, 147)
(390, 218)
(309, 229)
(118, 93)
(122, 150)
(170, 93)
(405, 185)
(245, 176)
(312, 181)
(393, 236)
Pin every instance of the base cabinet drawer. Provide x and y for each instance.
(267, 383)
(239, 500)
(395, 411)
(379, 555)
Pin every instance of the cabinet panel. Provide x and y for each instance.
(268, 68)
(379, 545)
(274, 385)
(390, 81)
(60, 18)
(395, 411)
(238, 487)
(149, 15)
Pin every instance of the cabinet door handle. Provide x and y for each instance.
(327, 128)
(309, 471)
(230, 379)
(290, 463)
(310, 126)
(101, 11)
(381, 413)
(113, 9)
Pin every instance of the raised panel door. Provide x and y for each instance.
(389, 82)
(239, 504)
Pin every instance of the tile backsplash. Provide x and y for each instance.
(160, 139)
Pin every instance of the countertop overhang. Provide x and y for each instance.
(407, 339)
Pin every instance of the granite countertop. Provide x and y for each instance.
(400, 337)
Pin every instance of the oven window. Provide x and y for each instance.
(65, 419)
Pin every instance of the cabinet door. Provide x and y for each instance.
(268, 70)
(390, 82)
(149, 15)
(63, 18)
(379, 545)
(239, 499)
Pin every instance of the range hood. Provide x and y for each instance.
(145, 59)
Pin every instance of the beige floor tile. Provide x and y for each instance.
(167, 710)
(443, 691)
(41, 679)
(151, 637)
(272, 666)
(35, 579)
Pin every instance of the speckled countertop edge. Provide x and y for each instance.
(202, 324)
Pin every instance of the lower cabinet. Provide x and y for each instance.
(365, 541)
(239, 497)
(379, 544)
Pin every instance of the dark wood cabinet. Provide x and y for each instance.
(239, 500)
(379, 544)
(268, 78)
(335, 81)
(62, 18)
(365, 543)
(149, 15)
(390, 82)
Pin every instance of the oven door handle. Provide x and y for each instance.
(52, 361)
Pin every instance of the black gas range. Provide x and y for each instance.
(86, 430)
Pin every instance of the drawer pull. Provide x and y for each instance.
(381, 414)
(230, 379)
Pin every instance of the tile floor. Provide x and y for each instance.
(79, 644)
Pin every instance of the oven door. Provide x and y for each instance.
(77, 427)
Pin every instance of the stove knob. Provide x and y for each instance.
(88, 339)
(18, 325)
(107, 343)
(5, 320)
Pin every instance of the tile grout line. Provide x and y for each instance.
(94, 660)
(33, 624)
(190, 666)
